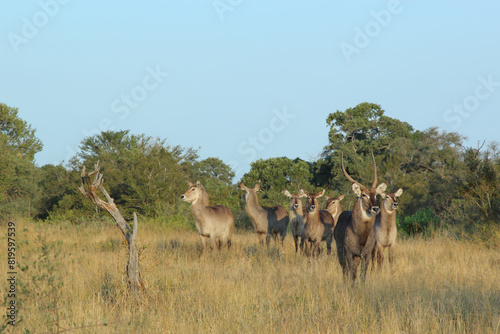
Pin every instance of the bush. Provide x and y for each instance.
(422, 222)
(242, 222)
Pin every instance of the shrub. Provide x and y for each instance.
(422, 222)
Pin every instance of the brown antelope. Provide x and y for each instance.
(297, 213)
(267, 222)
(334, 207)
(318, 225)
(214, 223)
(354, 234)
(385, 228)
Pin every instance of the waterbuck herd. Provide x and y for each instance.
(361, 234)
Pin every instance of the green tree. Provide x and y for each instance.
(363, 129)
(17, 133)
(18, 173)
(59, 195)
(143, 173)
(213, 168)
(18, 184)
(475, 208)
(357, 132)
(423, 163)
(277, 174)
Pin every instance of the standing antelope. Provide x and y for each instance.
(354, 233)
(266, 221)
(297, 213)
(385, 228)
(215, 223)
(334, 207)
(318, 225)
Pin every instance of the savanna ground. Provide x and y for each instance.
(72, 277)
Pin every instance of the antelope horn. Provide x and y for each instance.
(375, 180)
(345, 173)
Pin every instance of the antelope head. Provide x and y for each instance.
(390, 202)
(249, 191)
(295, 200)
(194, 192)
(333, 204)
(368, 197)
(312, 200)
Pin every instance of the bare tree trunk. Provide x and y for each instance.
(134, 276)
(135, 282)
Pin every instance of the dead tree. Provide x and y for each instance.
(89, 189)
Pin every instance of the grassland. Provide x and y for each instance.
(73, 278)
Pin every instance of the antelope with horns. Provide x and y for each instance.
(334, 207)
(267, 222)
(214, 223)
(297, 213)
(354, 234)
(385, 228)
(318, 225)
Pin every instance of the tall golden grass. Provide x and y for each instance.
(74, 278)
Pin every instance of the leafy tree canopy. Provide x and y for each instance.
(18, 173)
(277, 174)
(364, 128)
(357, 132)
(213, 168)
(143, 174)
(421, 162)
(17, 133)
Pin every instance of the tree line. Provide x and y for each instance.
(446, 184)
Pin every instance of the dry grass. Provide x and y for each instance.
(438, 286)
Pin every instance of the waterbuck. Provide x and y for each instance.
(318, 225)
(334, 207)
(354, 233)
(385, 228)
(297, 213)
(267, 222)
(214, 223)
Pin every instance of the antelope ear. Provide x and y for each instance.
(341, 197)
(242, 186)
(357, 189)
(257, 187)
(381, 188)
(198, 184)
(399, 192)
(327, 198)
(190, 184)
(286, 193)
(321, 194)
(302, 193)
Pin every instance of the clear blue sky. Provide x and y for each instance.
(244, 80)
